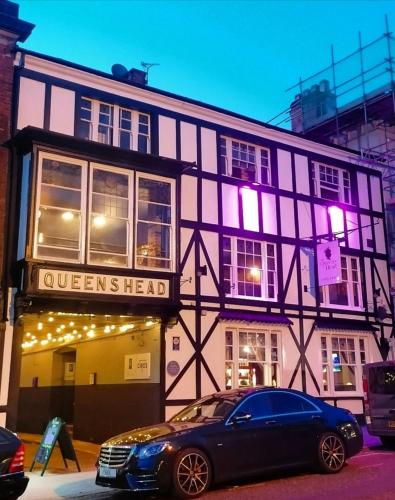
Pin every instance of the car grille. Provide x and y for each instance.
(114, 456)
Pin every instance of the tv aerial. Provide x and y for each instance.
(147, 66)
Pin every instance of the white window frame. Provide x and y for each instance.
(86, 210)
(258, 167)
(263, 271)
(360, 360)
(342, 189)
(350, 306)
(84, 169)
(130, 245)
(141, 175)
(234, 363)
(116, 110)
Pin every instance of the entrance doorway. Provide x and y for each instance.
(99, 373)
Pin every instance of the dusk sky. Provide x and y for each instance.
(238, 55)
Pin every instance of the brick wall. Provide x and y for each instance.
(6, 82)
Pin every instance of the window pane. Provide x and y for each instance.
(58, 173)
(59, 229)
(153, 245)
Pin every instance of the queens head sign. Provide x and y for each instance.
(57, 280)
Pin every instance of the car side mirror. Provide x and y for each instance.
(240, 418)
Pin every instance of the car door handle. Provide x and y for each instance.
(270, 422)
(316, 417)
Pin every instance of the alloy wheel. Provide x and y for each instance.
(332, 453)
(192, 474)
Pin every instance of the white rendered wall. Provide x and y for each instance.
(188, 142)
(188, 197)
(210, 202)
(209, 150)
(31, 103)
(287, 217)
(269, 214)
(284, 170)
(363, 188)
(352, 225)
(302, 174)
(207, 283)
(376, 193)
(304, 215)
(230, 205)
(167, 137)
(62, 110)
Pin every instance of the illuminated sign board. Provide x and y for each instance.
(107, 284)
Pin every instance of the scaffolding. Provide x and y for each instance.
(351, 103)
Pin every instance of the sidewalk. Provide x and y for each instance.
(59, 482)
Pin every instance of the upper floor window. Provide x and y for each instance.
(331, 183)
(342, 361)
(249, 268)
(245, 161)
(85, 214)
(347, 293)
(114, 125)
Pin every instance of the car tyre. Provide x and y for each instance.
(192, 473)
(388, 441)
(331, 453)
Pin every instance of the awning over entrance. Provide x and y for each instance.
(344, 324)
(253, 317)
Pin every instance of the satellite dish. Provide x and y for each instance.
(119, 71)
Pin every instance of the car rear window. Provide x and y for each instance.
(382, 380)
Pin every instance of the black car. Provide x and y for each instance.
(13, 481)
(227, 435)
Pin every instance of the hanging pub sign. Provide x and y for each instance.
(328, 263)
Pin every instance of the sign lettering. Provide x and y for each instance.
(68, 281)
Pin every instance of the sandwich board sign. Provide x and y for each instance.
(55, 432)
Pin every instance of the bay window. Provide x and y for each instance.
(249, 268)
(331, 183)
(101, 215)
(342, 361)
(245, 161)
(154, 223)
(114, 125)
(252, 357)
(59, 211)
(347, 293)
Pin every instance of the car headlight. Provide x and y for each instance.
(153, 449)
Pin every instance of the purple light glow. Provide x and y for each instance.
(337, 220)
(250, 208)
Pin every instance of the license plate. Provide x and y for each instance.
(391, 424)
(107, 472)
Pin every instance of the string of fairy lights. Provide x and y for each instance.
(58, 328)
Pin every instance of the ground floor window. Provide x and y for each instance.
(342, 361)
(252, 357)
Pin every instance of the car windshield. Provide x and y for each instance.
(208, 408)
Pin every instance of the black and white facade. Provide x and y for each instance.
(186, 235)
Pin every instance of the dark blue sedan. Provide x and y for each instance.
(227, 435)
